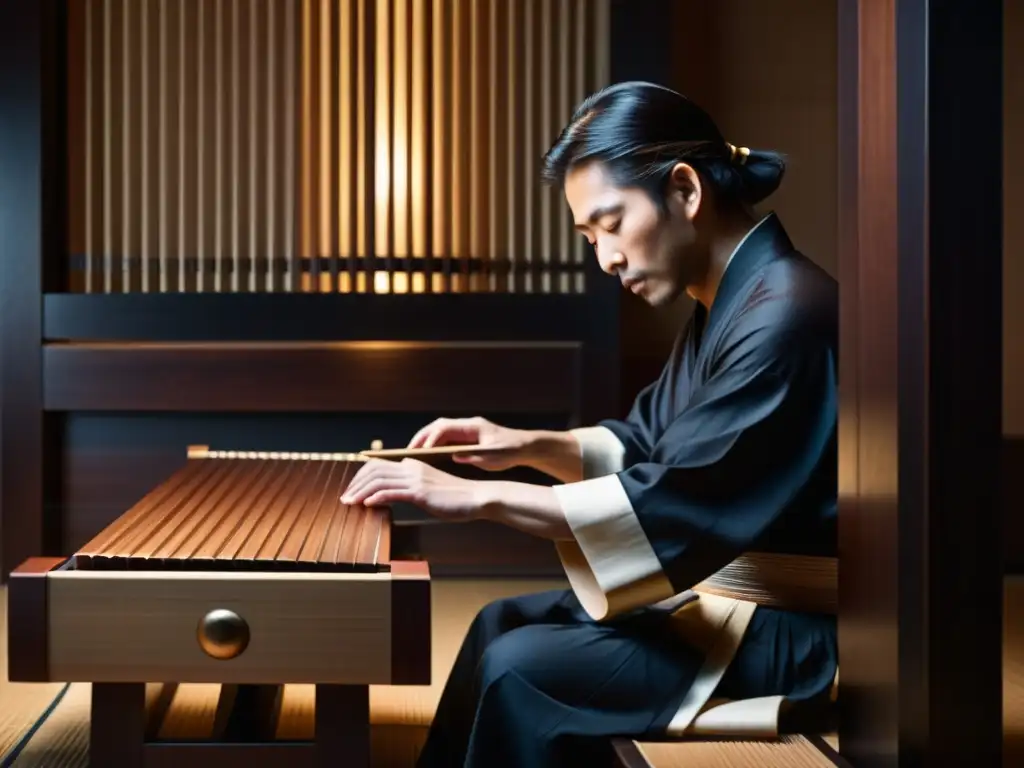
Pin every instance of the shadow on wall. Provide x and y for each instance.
(787, 101)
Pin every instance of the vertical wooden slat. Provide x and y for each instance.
(327, 146)
(312, 202)
(185, 21)
(582, 29)
(496, 122)
(271, 179)
(252, 163)
(351, 128)
(126, 143)
(530, 76)
(427, 14)
(88, 157)
(218, 162)
(411, 195)
(75, 66)
(352, 142)
(566, 81)
(174, 55)
(333, 23)
(162, 190)
(461, 103)
(200, 159)
(293, 228)
(306, 122)
(235, 175)
(544, 33)
(475, 119)
(96, 148)
(369, 84)
(144, 159)
(514, 84)
(387, 58)
(242, 171)
(108, 128)
(452, 118)
(602, 48)
(442, 26)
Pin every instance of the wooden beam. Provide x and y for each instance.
(920, 110)
(324, 317)
(348, 377)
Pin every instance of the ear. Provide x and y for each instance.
(684, 189)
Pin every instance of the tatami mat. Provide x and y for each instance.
(21, 704)
(790, 752)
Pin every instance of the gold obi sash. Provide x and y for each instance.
(714, 617)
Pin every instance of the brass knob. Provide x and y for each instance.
(377, 445)
(223, 634)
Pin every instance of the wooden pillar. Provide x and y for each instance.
(920, 113)
(33, 226)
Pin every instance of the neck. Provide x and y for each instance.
(721, 248)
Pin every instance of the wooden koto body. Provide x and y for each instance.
(239, 568)
(263, 511)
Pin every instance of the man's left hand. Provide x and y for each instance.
(381, 482)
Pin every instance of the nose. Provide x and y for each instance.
(611, 263)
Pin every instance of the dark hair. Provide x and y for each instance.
(639, 131)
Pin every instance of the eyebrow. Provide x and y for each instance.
(600, 213)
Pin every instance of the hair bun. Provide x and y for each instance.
(760, 172)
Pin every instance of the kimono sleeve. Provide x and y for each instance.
(724, 470)
(614, 444)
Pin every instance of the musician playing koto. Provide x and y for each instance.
(731, 450)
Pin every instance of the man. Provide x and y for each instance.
(731, 452)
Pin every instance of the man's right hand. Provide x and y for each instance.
(509, 447)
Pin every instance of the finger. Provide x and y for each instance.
(370, 472)
(373, 486)
(367, 471)
(420, 437)
(453, 434)
(389, 496)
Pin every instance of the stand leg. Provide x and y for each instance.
(342, 730)
(117, 730)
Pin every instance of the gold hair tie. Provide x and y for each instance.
(737, 154)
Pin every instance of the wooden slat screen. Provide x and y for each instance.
(325, 145)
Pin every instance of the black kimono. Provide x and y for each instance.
(732, 450)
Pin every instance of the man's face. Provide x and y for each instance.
(655, 254)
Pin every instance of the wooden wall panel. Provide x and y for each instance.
(1013, 504)
(920, 432)
(276, 145)
(326, 377)
(868, 469)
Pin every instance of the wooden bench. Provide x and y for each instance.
(787, 752)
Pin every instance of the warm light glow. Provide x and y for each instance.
(502, 86)
(280, 146)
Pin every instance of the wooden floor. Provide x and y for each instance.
(400, 715)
